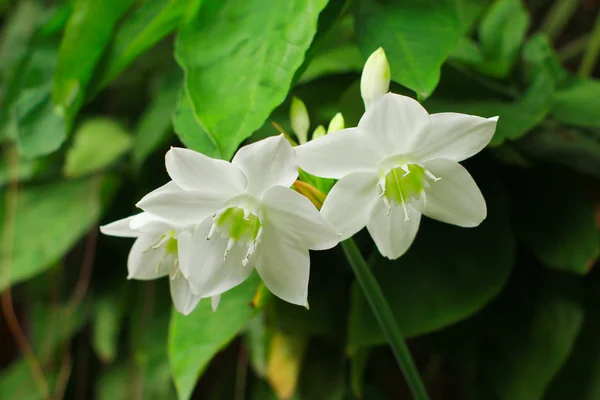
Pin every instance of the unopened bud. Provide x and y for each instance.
(375, 79)
(319, 132)
(300, 120)
(336, 123)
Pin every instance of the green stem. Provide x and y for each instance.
(558, 16)
(573, 49)
(386, 318)
(591, 53)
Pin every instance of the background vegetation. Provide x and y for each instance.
(94, 93)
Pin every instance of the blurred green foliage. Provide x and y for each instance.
(93, 94)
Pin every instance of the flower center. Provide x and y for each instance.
(403, 183)
(240, 226)
(167, 243)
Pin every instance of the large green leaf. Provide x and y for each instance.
(97, 144)
(240, 61)
(196, 338)
(87, 34)
(189, 130)
(150, 22)
(529, 338)
(156, 121)
(560, 230)
(50, 219)
(447, 275)
(501, 33)
(107, 314)
(577, 103)
(417, 36)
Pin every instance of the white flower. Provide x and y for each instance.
(375, 79)
(155, 254)
(400, 162)
(247, 217)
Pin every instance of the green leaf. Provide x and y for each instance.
(98, 143)
(50, 219)
(115, 383)
(417, 37)
(239, 63)
(516, 118)
(530, 336)
(469, 11)
(38, 127)
(189, 130)
(447, 275)
(156, 121)
(196, 338)
(568, 238)
(16, 382)
(339, 60)
(149, 23)
(87, 34)
(576, 148)
(106, 324)
(580, 376)
(501, 33)
(539, 58)
(576, 104)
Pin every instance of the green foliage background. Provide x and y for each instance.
(94, 93)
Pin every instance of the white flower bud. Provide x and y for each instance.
(375, 79)
(336, 123)
(300, 120)
(319, 132)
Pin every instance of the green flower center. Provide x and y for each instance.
(171, 243)
(238, 224)
(404, 183)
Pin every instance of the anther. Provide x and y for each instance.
(230, 244)
(212, 231)
(431, 176)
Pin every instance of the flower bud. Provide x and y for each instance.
(336, 123)
(375, 79)
(299, 119)
(319, 132)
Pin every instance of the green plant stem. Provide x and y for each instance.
(560, 13)
(573, 49)
(386, 319)
(591, 52)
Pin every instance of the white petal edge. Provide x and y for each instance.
(298, 220)
(214, 302)
(183, 299)
(145, 263)
(456, 136)
(178, 206)
(398, 124)
(203, 264)
(455, 198)
(266, 163)
(349, 203)
(120, 228)
(340, 153)
(193, 171)
(147, 223)
(284, 267)
(392, 235)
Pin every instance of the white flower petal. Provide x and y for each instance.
(455, 198)
(214, 302)
(298, 220)
(144, 262)
(340, 153)
(184, 300)
(391, 233)
(456, 136)
(147, 223)
(203, 262)
(120, 228)
(193, 171)
(398, 123)
(179, 206)
(283, 267)
(267, 163)
(349, 203)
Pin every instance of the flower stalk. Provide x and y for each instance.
(386, 319)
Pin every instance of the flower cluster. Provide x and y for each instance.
(217, 221)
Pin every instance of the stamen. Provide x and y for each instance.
(212, 231)
(406, 215)
(230, 244)
(405, 169)
(431, 176)
(424, 197)
(164, 239)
